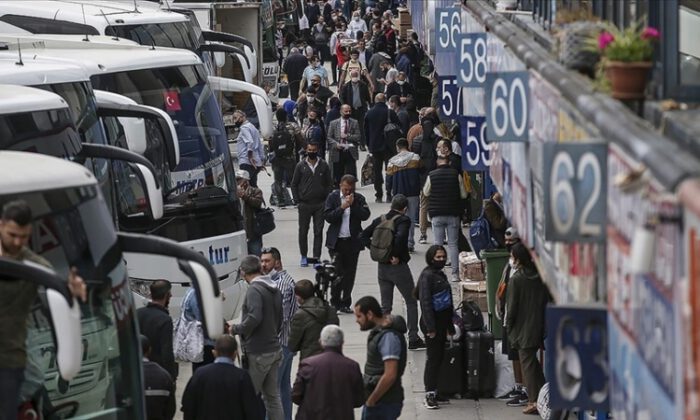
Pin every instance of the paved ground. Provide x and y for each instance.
(285, 238)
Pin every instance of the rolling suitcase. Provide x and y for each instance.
(480, 364)
(450, 378)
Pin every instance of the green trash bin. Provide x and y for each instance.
(496, 261)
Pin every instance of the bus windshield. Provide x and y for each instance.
(182, 92)
(49, 132)
(72, 228)
(167, 34)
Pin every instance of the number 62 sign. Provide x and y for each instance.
(575, 182)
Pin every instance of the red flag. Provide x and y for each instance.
(172, 100)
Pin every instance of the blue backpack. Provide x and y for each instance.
(480, 235)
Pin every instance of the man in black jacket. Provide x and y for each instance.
(357, 95)
(396, 271)
(159, 388)
(428, 158)
(155, 323)
(376, 119)
(294, 66)
(311, 184)
(345, 211)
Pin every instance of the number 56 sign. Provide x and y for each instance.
(575, 185)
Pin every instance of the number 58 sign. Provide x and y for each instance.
(575, 184)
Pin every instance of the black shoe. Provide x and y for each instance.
(416, 344)
(378, 200)
(442, 400)
(345, 310)
(388, 198)
(411, 250)
(430, 402)
(312, 261)
(519, 401)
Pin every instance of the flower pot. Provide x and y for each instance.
(628, 80)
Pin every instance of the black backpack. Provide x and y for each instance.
(282, 143)
(392, 132)
(472, 317)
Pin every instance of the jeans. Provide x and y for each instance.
(532, 372)
(285, 382)
(423, 216)
(306, 212)
(413, 210)
(252, 171)
(452, 226)
(282, 171)
(399, 275)
(10, 385)
(255, 245)
(346, 265)
(263, 369)
(382, 411)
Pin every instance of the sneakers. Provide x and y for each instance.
(304, 262)
(430, 401)
(519, 401)
(411, 249)
(442, 400)
(416, 344)
(515, 392)
(312, 261)
(423, 239)
(344, 310)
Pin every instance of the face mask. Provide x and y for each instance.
(511, 262)
(312, 155)
(237, 123)
(312, 120)
(439, 152)
(400, 82)
(355, 79)
(356, 18)
(316, 83)
(310, 98)
(439, 264)
(509, 247)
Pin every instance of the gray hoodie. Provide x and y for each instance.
(261, 317)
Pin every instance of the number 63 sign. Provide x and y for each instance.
(575, 185)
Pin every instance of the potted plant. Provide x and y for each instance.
(627, 58)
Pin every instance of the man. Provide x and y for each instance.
(357, 95)
(494, 214)
(345, 211)
(283, 147)
(352, 65)
(404, 65)
(444, 190)
(16, 300)
(328, 385)
(444, 149)
(376, 66)
(395, 272)
(400, 87)
(314, 68)
(323, 94)
(261, 322)
(343, 139)
(314, 313)
(403, 177)
(356, 25)
(386, 360)
(155, 323)
(311, 184)
(251, 153)
(375, 120)
(315, 131)
(390, 74)
(271, 261)
(251, 200)
(428, 157)
(294, 66)
(309, 103)
(220, 390)
(159, 388)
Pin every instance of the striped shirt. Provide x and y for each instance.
(285, 284)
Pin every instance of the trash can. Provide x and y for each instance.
(496, 261)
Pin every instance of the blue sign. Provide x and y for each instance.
(575, 190)
(471, 64)
(507, 106)
(577, 357)
(448, 24)
(476, 151)
(449, 97)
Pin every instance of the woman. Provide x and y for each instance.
(526, 299)
(435, 296)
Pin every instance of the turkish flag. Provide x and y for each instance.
(172, 100)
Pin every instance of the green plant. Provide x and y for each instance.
(634, 43)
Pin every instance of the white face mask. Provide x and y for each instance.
(356, 18)
(511, 262)
(355, 79)
(400, 82)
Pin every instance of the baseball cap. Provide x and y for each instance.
(512, 233)
(241, 174)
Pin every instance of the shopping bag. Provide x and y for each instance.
(367, 173)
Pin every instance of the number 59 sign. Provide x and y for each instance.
(575, 182)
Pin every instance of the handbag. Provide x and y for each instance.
(442, 300)
(264, 220)
(367, 172)
(188, 340)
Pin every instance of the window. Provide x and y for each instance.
(37, 25)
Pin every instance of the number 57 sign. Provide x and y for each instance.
(575, 185)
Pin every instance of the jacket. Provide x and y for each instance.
(445, 191)
(334, 139)
(252, 200)
(328, 386)
(157, 325)
(346, 94)
(375, 121)
(402, 91)
(261, 319)
(159, 390)
(526, 300)
(307, 323)
(311, 187)
(294, 66)
(220, 391)
(403, 174)
(333, 214)
(374, 366)
(430, 282)
(402, 224)
(493, 212)
(427, 147)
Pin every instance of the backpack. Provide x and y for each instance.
(392, 132)
(480, 235)
(282, 142)
(382, 240)
(472, 318)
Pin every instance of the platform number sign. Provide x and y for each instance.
(449, 96)
(575, 179)
(577, 357)
(448, 24)
(476, 151)
(507, 106)
(471, 65)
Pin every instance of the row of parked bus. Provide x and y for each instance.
(112, 130)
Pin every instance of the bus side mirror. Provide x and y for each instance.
(151, 189)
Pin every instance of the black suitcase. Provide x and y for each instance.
(480, 364)
(450, 378)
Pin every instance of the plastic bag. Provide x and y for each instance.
(505, 381)
(367, 172)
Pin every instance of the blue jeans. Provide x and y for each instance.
(452, 226)
(284, 376)
(10, 383)
(255, 245)
(413, 210)
(382, 411)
